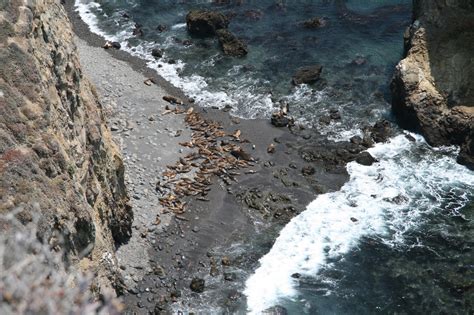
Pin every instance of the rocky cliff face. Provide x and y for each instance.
(433, 87)
(58, 162)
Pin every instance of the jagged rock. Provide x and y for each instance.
(197, 285)
(364, 158)
(55, 139)
(279, 120)
(432, 88)
(466, 155)
(205, 23)
(381, 131)
(307, 75)
(231, 45)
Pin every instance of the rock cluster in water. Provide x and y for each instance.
(211, 23)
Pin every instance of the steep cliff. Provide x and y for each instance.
(433, 86)
(58, 162)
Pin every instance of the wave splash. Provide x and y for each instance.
(387, 199)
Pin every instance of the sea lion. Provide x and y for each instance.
(173, 100)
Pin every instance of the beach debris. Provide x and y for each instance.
(149, 81)
(225, 261)
(237, 134)
(308, 171)
(271, 148)
(173, 100)
(109, 44)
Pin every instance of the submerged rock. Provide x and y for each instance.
(316, 22)
(307, 75)
(275, 310)
(197, 285)
(161, 28)
(231, 45)
(205, 23)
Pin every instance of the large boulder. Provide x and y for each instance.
(231, 45)
(205, 23)
(307, 75)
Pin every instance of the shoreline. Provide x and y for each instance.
(197, 243)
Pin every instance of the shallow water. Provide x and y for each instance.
(398, 237)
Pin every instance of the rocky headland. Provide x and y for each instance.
(432, 88)
(60, 171)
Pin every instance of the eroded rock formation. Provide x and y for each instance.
(433, 86)
(58, 162)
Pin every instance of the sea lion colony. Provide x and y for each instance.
(215, 153)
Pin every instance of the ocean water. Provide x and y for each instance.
(398, 237)
(368, 32)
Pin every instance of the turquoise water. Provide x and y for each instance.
(413, 256)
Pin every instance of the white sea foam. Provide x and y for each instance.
(178, 26)
(87, 11)
(388, 199)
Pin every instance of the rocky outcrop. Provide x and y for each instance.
(211, 23)
(58, 162)
(205, 23)
(231, 45)
(433, 86)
